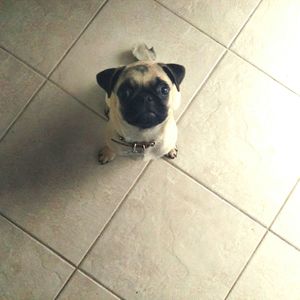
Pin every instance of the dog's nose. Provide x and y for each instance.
(148, 98)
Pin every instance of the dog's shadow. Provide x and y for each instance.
(49, 157)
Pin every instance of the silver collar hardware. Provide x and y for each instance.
(136, 147)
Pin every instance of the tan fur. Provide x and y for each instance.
(164, 134)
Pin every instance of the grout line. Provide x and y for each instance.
(140, 175)
(229, 46)
(127, 193)
(262, 71)
(90, 277)
(284, 203)
(207, 34)
(198, 90)
(46, 78)
(79, 101)
(246, 265)
(93, 278)
(9, 127)
(209, 74)
(189, 22)
(267, 228)
(248, 61)
(217, 194)
(284, 240)
(201, 86)
(78, 37)
(267, 231)
(23, 62)
(38, 240)
(64, 285)
(245, 23)
(96, 281)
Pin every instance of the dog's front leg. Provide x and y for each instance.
(106, 155)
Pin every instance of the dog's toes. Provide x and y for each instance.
(105, 155)
(106, 112)
(172, 153)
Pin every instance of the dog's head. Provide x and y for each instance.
(144, 91)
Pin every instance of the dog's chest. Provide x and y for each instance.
(143, 148)
(133, 142)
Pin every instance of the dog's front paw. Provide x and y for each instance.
(106, 112)
(172, 153)
(106, 155)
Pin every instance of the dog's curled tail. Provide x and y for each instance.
(143, 52)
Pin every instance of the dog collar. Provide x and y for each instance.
(136, 147)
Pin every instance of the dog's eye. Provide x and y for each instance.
(164, 90)
(126, 93)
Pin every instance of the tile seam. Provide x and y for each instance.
(197, 90)
(189, 23)
(245, 23)
(74, 42)
(215, 193)
(78, 100)
(102, 230)
(37, 240)
(23, 62)
(263, 72)
(22, 110)
(96, 281)
(113, 214)
(268, 230)
(202, 85)
(46, 77)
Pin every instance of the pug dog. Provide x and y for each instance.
(141, 100)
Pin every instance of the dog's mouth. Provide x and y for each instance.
(145, 120)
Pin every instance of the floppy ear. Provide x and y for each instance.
(175, 72)
(108, 78)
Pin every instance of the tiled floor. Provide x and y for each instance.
(220, 222)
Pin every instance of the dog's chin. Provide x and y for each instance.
(146, 120)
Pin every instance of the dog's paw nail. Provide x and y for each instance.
(103, 161)
(172, 154)
(105, 156)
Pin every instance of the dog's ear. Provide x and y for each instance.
(108, 78)
(175, 73)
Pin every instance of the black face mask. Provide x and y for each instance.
(144, 106)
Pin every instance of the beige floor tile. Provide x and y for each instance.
(50, 180)
(81, 287)
(273, 273)
(271, 41)
(28, 270)
(173, 239)
(41, 31)
(108, 40)
(17, 85)
(239, 138)
(220, 19)
(288, 222)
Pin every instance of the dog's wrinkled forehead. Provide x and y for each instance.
(143, 74)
